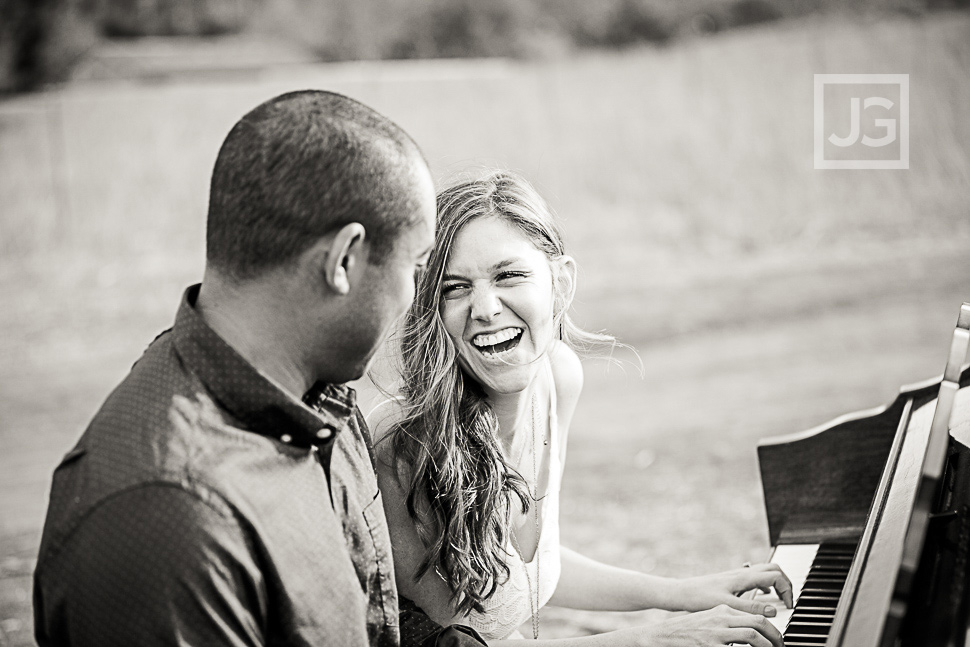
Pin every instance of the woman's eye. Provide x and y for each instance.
(508, 276)
(453, 290)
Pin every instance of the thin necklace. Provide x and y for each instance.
(533, 597)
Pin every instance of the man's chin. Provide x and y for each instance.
(346, 372)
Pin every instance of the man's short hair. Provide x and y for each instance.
(302, 165)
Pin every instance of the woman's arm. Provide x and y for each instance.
(714, 627)
(594, 586)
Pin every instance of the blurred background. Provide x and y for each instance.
(673, 138)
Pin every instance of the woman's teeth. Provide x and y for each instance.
(496, 337)
(497, 342)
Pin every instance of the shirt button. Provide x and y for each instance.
(324, 433)
(286, 438)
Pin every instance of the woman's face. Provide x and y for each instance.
(496, 304)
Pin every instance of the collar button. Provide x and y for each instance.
(286, 438)
(324, 433)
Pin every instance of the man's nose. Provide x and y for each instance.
(485, 304)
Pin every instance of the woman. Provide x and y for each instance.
(471, 453)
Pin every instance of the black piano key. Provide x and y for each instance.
(835, 558)
(826, 582)
(820, 596)
(835, 563)
(804, 627)
(814, 611)
(826, 615)
(807, 639)
(834, 551)
(829, 572)
(822, 588)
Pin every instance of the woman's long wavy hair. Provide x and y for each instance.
(460, 486)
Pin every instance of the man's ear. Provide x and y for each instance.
(346, 250)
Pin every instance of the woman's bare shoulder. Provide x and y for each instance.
(391, 477)
(384, 417)
(567, 371)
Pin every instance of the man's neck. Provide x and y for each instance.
(251, 326)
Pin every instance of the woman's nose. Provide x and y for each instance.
(485, 305)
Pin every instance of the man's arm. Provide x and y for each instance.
(155, 565)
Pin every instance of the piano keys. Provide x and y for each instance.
(870, 518)
(818, 573)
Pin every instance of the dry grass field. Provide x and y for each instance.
(763, 296)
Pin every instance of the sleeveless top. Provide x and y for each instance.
(509, 606)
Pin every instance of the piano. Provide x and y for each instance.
(869, 516)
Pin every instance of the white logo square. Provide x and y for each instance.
(861, 121)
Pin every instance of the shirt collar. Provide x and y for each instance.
(251, 397)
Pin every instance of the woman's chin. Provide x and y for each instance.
(511, 373)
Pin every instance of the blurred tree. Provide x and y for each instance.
(635, 21)
(128, 18)
(468, 28)
(615, 23)
(752, 12)
(41, 41)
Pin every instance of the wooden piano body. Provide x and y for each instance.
(888, 501)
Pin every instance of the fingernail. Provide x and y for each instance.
(770, 611)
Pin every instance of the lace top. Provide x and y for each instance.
(509, 606)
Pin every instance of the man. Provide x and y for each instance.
(224, 493)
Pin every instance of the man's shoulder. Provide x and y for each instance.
(153, 379)
(155, 428)
(141, 429)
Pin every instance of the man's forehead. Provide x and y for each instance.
(425, 240)
(417, 236)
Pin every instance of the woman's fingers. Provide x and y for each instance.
(754, 630)
(762, 576)
(752, 607)
(722, 625)
(747, 636)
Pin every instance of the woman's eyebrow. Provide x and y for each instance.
(503, 264)
(494, 268)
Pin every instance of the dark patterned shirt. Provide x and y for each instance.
(205, 506)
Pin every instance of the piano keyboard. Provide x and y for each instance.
(818, 573)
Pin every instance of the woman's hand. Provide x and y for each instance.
(721, 625)
(708, 591)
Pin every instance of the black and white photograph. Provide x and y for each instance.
(450, 323)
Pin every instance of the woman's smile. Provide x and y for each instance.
(498, 345)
